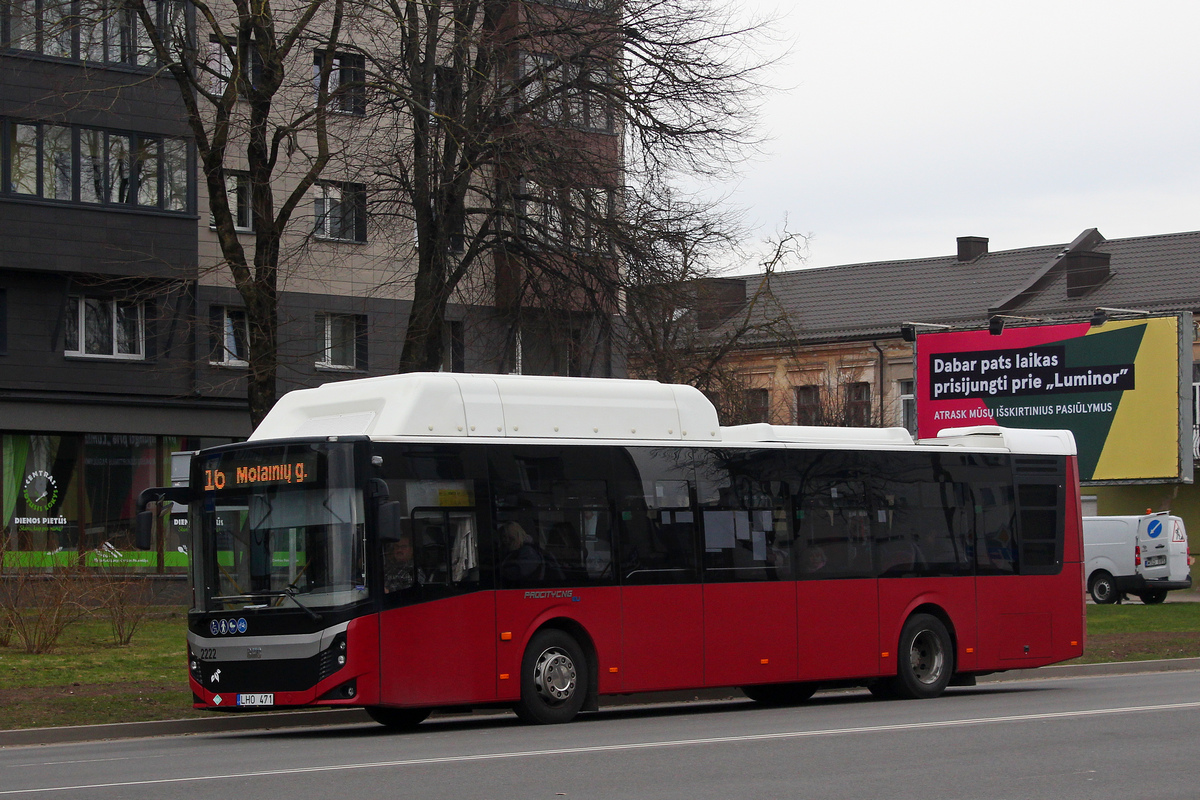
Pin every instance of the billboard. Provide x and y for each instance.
(1123, 389)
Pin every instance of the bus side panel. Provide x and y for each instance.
(521, 612)
(439, 653)
(838, 628)
(899, 597)
(749, 633)
(1030, 620)
(662, 637)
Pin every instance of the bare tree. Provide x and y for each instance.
(524, 130)
(683, 322)
(254, 102)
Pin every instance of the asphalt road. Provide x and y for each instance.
(1083, 737)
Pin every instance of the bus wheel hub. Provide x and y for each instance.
(554, 675)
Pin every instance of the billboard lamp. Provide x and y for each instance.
(1100, 316)
(908, 330)
(996, 322)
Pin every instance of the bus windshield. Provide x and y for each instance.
(279, 527)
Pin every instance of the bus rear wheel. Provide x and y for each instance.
(398, 719)
(1153, 597)
(780, 694)
(925, 658)
(554, 678)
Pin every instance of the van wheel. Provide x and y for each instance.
(1103, 588)
(780, 694)
(1153, 598)
(554, 678)
(398, 719)
(925, 658)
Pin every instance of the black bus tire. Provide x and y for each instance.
(554, 678)
(1103, 588)
(780, 694)
(398, 719)
(925, 658)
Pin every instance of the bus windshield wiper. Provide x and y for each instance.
(290, 592)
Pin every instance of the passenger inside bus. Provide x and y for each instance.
(523, 562)
(399, 571)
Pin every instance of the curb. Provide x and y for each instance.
(231, 723)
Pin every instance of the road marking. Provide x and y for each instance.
(608, 748)
(84, 761)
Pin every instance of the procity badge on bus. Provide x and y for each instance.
(233, 475)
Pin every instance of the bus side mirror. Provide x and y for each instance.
(143, 536)
(391, 520)
(144, 532)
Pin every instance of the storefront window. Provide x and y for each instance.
(72, 499)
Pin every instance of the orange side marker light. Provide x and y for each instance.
(506, 636)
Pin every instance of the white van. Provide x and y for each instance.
(1144, 555)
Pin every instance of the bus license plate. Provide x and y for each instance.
(256, 699)
(1155, 561)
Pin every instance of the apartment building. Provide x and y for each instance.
(122, 335)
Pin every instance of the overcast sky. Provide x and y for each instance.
(904, 125)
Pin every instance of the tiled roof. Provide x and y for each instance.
(1154, 273)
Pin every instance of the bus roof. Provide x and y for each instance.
(447, 404)
(525, 406)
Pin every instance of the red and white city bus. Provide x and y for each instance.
(430, 541)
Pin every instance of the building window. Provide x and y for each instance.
(96, 31)
(237, 190)
(230, 337)
(113, 168)
(105, 327)
(908, 405)
(571, 94)
(808, 405)
(542, 218)
(347, 82)
(340, 212)
(858, 404)
(757, 405)
(588, 214)
(1196, 411)
(3, 322)
(457, 351)
(343, 341)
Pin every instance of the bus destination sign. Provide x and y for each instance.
(237, 475)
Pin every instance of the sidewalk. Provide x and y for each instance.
(225, 723)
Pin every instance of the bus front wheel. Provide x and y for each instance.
(554, 678)
(925, 658)
(399, 719)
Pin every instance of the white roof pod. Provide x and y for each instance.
(1015, 440)
(527, 406)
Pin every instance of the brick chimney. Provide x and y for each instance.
(972, 247)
